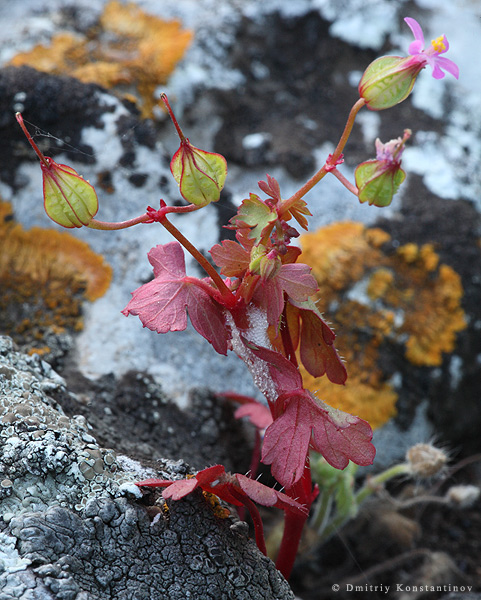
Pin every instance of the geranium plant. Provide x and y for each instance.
(258, 303)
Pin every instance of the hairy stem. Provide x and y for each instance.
(44, 160)
(227, 296)
(165, 100)
(256, 519)
(294, 522)
(107, 226)
(345, 182)
(314, 180)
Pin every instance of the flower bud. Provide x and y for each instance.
(270, 265)
(388, 81)
(378, 180)
(263, 263)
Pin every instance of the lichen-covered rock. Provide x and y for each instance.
(74, 526)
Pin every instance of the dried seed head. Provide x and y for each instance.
(463, 496)
(425, 460)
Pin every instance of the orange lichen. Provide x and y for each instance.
(376, 296)
(45, 276)
(213, 501)
(130, 51)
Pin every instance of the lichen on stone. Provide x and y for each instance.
(72, 527)
(128, 50)
(379, 296)
(45, 275)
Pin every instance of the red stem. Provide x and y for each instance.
(206, 287)
(106, 225)
(228, 298)
(294, 522)
(256, 519)
(41, 156)
(314, 180)
(165, 100)
(345, 182)
(286, 336)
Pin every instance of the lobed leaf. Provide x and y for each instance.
(256, 214)
(161, 304)
(338, 436)
(231, 257)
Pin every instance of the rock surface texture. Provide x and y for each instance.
(74, 527)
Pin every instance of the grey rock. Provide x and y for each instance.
(75, 527)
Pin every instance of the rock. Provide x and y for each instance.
(75, 527)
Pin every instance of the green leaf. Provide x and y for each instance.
(255, 213)
(69, 200)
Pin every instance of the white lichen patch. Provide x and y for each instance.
(10, 560)
(46, 458)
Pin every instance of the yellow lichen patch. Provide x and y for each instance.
(129, 50)
(373, 402)
(340, 254)
(380, 282)
(377, 297)
(45, 276)
(220, 511)
(435, 320)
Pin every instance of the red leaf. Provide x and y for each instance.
(266, 496)
(207, 317)
(271, 188)
(231, 257)
(318, 354)
(210, 474)
(283, 373)
(338, 436)
(258, 414)
(286, 443)
(296, 280)
(161, 304)
(154, 483)
(180, 488)
(341, 437)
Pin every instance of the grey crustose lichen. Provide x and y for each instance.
(71, 526)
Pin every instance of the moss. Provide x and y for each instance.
(129, 50)
(376, 296)
(45, 275)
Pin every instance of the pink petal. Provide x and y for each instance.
(416, 47)
(437, 72)
(416, 29)
(448, 65)
(446, 44)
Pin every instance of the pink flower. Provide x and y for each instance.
(431, 55)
